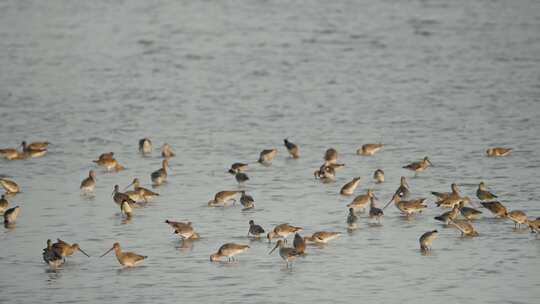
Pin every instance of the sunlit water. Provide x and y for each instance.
(222, 80)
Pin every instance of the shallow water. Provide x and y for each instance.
(222, 80)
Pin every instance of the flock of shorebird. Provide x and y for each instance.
(55, 253)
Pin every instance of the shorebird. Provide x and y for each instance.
(378, 176)
(184, 230)
(362, 200)
(223, 197)
(51, 257)
(498, 151)
(65, 249)
(11, 214)
(228, 250)
(518, 217)
(254, 229)
(247, 200)
(469, 213)
(498, 209)
(160, 175)
(282, 231)
(145, 146)
(166, 151)
(403, 189)
(452, 201)
(426, 239)
(119, 197)
(348, 188)
(35, 146)
(375, 212)
(352, 218)
(408, 207)
(293, 149)
(331, 155)
(534, 225)
(266, 156)
(322, 237)
(419, 166)
(88, 184)
(9, 186)
(238, 167)
(325, 173)
(466, 228)
(483, 194)
(104, 156)
(448, 216)
(241, 177)
(299, 244)
(110, 164)
(369, 149)
(128, 259)
(126, 210)
(443, 195)
(3, 203)
(140, 192)
(13, 154)
(286, 253)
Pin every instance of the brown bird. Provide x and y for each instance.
(403, 189)
(145, 146)
(166, 151)
(184, 230)
(483, 194)
(9, 186)
(518, 217)
(452, 201)
(222, 197)
(104, 156)
(362, 200)
(35, 146)
(378, 176)
(88, 184)
(331, 155)
(426, 239)
(348, 188)
(266, 156)
(369, 149)
(3, 203)
(293, 149)
(160, 175)
(299, 244)
(128, 259)
(119, 197)
(419, 165)
(13, 154)
(237, 168)
(228, 250)
(51, 257)
(469, 213)
(408, 207)
(65, 249)
(534, 225)
(498, 151)
(286, 253)
(110, 164)
(282, 231)
(448, 216)
(11, 214)
(466, 228)
(498, 209)
(443, 195)
(322, 237)
(141, 192)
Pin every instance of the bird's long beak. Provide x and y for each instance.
(83, 252)
(430, 162)
(106, 252)
(127, 186)
(388, 203)
(273, 249)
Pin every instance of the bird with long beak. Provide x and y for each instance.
(286, 253)
(408, 207)
(427, 239)
(518, 217)
(160, 175)
(292, 148)
(378, 176)
(483, 194)
(140, 193)
(498, 151)
(11, 214)
(127, 259)
(466, 228)
(65, 249)
(362, 200)
(222, 197)
(282, 231)
(145, 146)
(444, 195)
(51, 257)
(9, 186)
(166, 151)
(228, 250)
(497, 208)
(266, 156)
(403, 189)
(322, 237)
(89, 183)
(369, 149)
(348, 188)
(184, 230)
(419, 166)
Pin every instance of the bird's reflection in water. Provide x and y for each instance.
(185, 245)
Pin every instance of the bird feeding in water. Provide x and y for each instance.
(292, 148)
(228, 250)
(127, 259)
(427, 239)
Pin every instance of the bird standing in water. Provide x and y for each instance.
(293, 149)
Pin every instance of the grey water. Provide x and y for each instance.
(222, 80)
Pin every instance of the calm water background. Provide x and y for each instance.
(222, 80)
